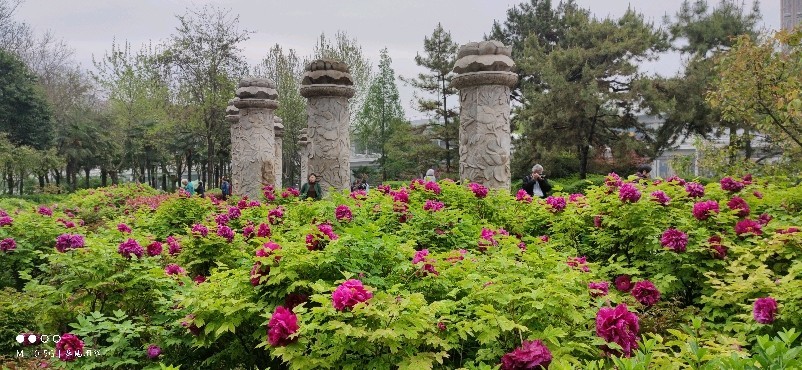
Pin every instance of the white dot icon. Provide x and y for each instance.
(32, 338)
(20, 338)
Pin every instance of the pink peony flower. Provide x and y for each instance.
(748, 226)
(764, 219)
(225, 232)
(579, 262)
(401, 196)
(130, 248)
(154, 351)
(598, 288)
(619, 326)
(557, 204)
(421, 256)
(764, 310)
(646, 293)
(680, 181)
(248, 231)
(173, 269)
(189, 323)
(789, 230)
(738, 204)
(523, 196)
(173, 246)
(275, 215)
(8, 244)
(6, 220)
(433, 187)
(45, 211)
(629, 192)
(69, 347)
(576, 198)
(267, 250)
(479, 190)
(199, 229)
(123, 228)
(530, 355)
(695, 189)
(674, 239)
(328, 231)
(199, 279)
(433, 205)
(731, 185)
(343, 213)
(757, 194)
(65, 242)
(486, 239)
(747, 179)
(660, 197)
(703, 210)
(613, 180)
(359, 195)
(154, 249)
(282, 325)
(623, 283)
(597, 221)
(348, 294)
(257, 272)
(719, 251)
(384, 189)
(441, 326)
(263, 231)
(222, 219)
(234, 213)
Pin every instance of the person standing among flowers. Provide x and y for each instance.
(187, 185)
(643, 171)
(225, 188)
(429, 176)
(535, 184)
(311, 189)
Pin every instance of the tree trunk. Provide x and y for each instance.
(86, 171)
(114, 177)
(10, 180)
(57, 176)
(164, 177)
(41, 181)
(210, 157)
(584, 151)
(189, 166)
(21, 180)
(103, 176)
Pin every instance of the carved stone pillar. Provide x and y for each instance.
(278, 131)
(252, 138)
(303, 148)
(232, 117)
(327, 85)
(484, 80)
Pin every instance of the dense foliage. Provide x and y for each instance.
(666, 274)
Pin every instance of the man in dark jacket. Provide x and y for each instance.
(535, 184)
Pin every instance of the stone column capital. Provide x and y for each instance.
(327, 77)
(469, 79)
(484, 63)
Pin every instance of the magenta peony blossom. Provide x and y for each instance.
(441, 326)
(45, 211)
(199, 279)
(576, 198)
(173, 246)
(401, 196)
(130, 248)
(343, 213)
(348, 294)
(646, 293)
(6, 220)
(731, 185)
(173, 269)
(433, 187)
(703, 210)
(328, 231)
(267, 250)
(557, 204)
(384, 189)
(623, 283)
(764, 219)
(225, 232)
(597, 221)
(530, 355)
(579, 262)
(523, 196)
(199, 229)
(222, 219)
(283, 324)
(123, 228)
(234, 213)
(275, 215)
(69, 347)
(154, 351)
(428, 267)
(757, 194)
(433, 205)
(8, 244)
(479, 190)
(764, 310)
(660, 197)
(248, 231)
(154, 249)
(619, 326)
(695, 189)
(680, 181)
(789, 230)
(189, 323)
(243, 203)
(66, 242)
(312, 243)
(598, 288)
(420, 256)
(67, 223)
(629, 193)
(257, 272)
(613, 180)
(263, 231)
(748, 226)
(674, 239)
(738, 204)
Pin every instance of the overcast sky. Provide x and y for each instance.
(90, 26)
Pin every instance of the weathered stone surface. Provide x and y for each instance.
(253, 138)
(303, 143)
(278, 132)
(326, 72)
(329, 147)
(484, 80)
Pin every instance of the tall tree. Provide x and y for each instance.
(759, 83)
(588, 90)
(407, 156)
(205, 56)
(286, 69)
(382, 106)
(440, 53)
(700, 32)
(348, 50)
(24, 113)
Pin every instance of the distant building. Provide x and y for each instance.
(791, 14)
